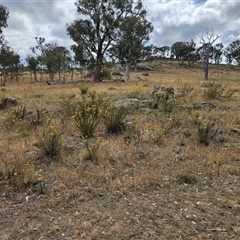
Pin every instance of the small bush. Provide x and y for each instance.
(19, 113)
(24, 175)
(215, 91)
(67, 104)
(92, 149)
(135, 93)
(37, 118)
(185, 89)
(83, 87)
(50, 142)
(166, 101)
(113, 119)
(105, 74)
(206, 130)
(89, 112)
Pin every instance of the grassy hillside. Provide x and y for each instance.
(171, 170)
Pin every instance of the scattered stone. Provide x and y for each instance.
(159, 88)
(207, 85)
(128, 103)
(181, 143)
(148, 103)
(206, 106)
(10, 101)
(235, 132)
(31, 155)
(7, 102)
(180, 157)
(219, 138)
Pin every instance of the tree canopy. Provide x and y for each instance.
(4, 14)
(130, 44)
(98, 27)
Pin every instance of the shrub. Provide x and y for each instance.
(37, 118)
(89, 112)
(166, 101)
(19, 113)
(206, 130)
(185, 89)
(105, 74)
(83, 87)
(50, 142)
(67, 104)
(214, 91)
(113, 119)
(92, 149)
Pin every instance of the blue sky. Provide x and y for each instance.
(173, 20)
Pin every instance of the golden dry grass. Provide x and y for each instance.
(157, 182)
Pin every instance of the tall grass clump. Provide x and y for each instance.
(50, 143)
(67, 103)
(135, 93)
(166, 102)
(113, 118)
(206, 129)
(215, 91)
(92, 149)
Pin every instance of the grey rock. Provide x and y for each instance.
(207, 85)
(206, 106)
(128, 103)
(148, 103)
(219, 138)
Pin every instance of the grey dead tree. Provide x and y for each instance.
(204, 53)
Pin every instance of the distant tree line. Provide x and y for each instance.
(115, 30)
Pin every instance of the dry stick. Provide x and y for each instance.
(217, 229)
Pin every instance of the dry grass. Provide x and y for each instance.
(154, 182)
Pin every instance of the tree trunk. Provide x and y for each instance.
(35, 75)
(98, 69)
(206, 63)
(127, 73)
(206, 70)
(4, 77)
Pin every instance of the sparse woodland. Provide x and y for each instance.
(90, 151)
(152, 159)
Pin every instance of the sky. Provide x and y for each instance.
(173, 20)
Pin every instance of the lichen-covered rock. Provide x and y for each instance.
(128, 103)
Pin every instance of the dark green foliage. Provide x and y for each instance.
(4, 14)
(99, 26)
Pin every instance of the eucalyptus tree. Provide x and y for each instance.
(4, 14)
(232, 52)
(9, 62)
(216, 53)
(161, 52)
(184, 51)
(53, 57)
(130, 46)
(98, 25)
(32, 64)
